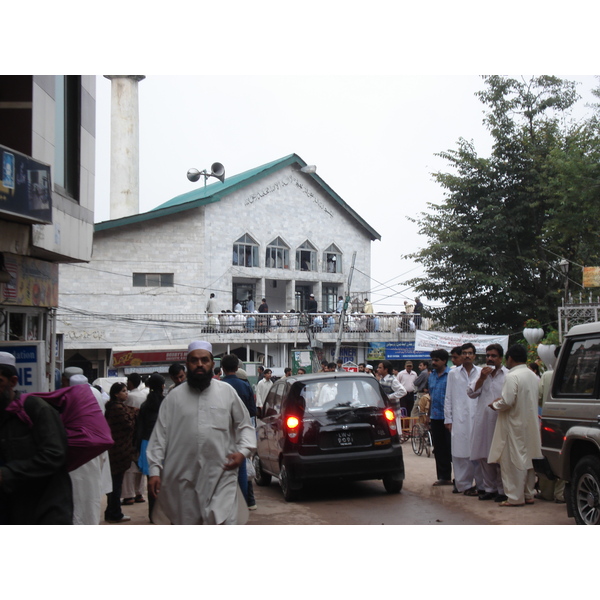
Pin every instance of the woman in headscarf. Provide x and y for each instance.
(146, 421)
(121, 420)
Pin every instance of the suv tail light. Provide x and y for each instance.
(390, 417)
(292, 426)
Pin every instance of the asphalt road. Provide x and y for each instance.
(367, 503)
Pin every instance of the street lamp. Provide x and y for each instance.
(563, 265)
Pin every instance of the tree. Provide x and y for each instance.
(506, 220)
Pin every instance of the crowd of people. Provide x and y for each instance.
(193, 443)
(356, 319)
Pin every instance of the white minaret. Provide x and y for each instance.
(124, 146)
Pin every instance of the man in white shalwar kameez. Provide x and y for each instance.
(517, 439)
(485, 390)
(459, 414)
(202, 436)
(92, 480)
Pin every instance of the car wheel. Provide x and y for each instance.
(392, 484)
(417, 439)
(286, 483)
(585, 491)
(261, 478)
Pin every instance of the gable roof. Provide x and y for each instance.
(214, 192)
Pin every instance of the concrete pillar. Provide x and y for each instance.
(124, 146)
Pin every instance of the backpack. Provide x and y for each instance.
(88, 433)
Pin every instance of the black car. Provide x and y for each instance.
(328, 426)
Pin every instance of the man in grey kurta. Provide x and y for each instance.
(517, 439)
(202, 436)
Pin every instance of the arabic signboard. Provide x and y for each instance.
(137, 359)
(25, 187)
(404, 351)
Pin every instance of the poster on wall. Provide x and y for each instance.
(302, 359)
(31, 365)
(33, 282)
(25, 187)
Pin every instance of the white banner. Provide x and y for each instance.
(427, 341)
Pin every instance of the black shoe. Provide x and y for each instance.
(500, 498)
(488, 496)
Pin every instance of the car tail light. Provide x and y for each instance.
(292, 425)
(390, 416)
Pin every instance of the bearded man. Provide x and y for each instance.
(202, 436)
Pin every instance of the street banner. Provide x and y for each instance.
(427, 341)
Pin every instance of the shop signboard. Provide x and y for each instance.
(30, 364)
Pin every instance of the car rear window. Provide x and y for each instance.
(579, 375)
(331, 393)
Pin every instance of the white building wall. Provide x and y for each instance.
(70, 234)
(197, 246)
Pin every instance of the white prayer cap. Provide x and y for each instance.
(70, 371)
(78, 379)
(6, 358)
(370, 367)
(242, 374)
(200, 345)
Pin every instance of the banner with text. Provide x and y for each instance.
(427, 341)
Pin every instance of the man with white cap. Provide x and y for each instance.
(202, 436)
(35, 488)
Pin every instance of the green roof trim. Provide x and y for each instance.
(204, 195)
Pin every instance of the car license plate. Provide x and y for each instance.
(344, 438)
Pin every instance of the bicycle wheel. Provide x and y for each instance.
(428, 443)
(417, 439)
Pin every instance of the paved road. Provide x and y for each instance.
(367, 503)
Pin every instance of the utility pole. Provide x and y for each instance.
(343, 313)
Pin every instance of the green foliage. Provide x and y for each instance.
(506, 220)
(551, 338)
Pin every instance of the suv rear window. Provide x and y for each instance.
(580, 372)
(319, 394)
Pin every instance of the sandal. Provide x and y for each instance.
(507, 503)
(530, 501)
(471, 492)
(127, 501)
(139, 499)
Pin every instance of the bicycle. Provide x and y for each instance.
(421, 435)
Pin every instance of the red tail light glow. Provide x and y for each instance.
(293, 428)
(389, 414)
(292, 422)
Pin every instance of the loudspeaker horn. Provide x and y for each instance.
(218, 171)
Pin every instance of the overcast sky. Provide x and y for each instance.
(367, 92)
(373, 139)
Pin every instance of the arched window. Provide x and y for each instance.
(245, 252)
(332, 260)
(278, 255)
(306, 257)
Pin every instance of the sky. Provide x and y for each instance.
(373, 138)
(369, 93)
